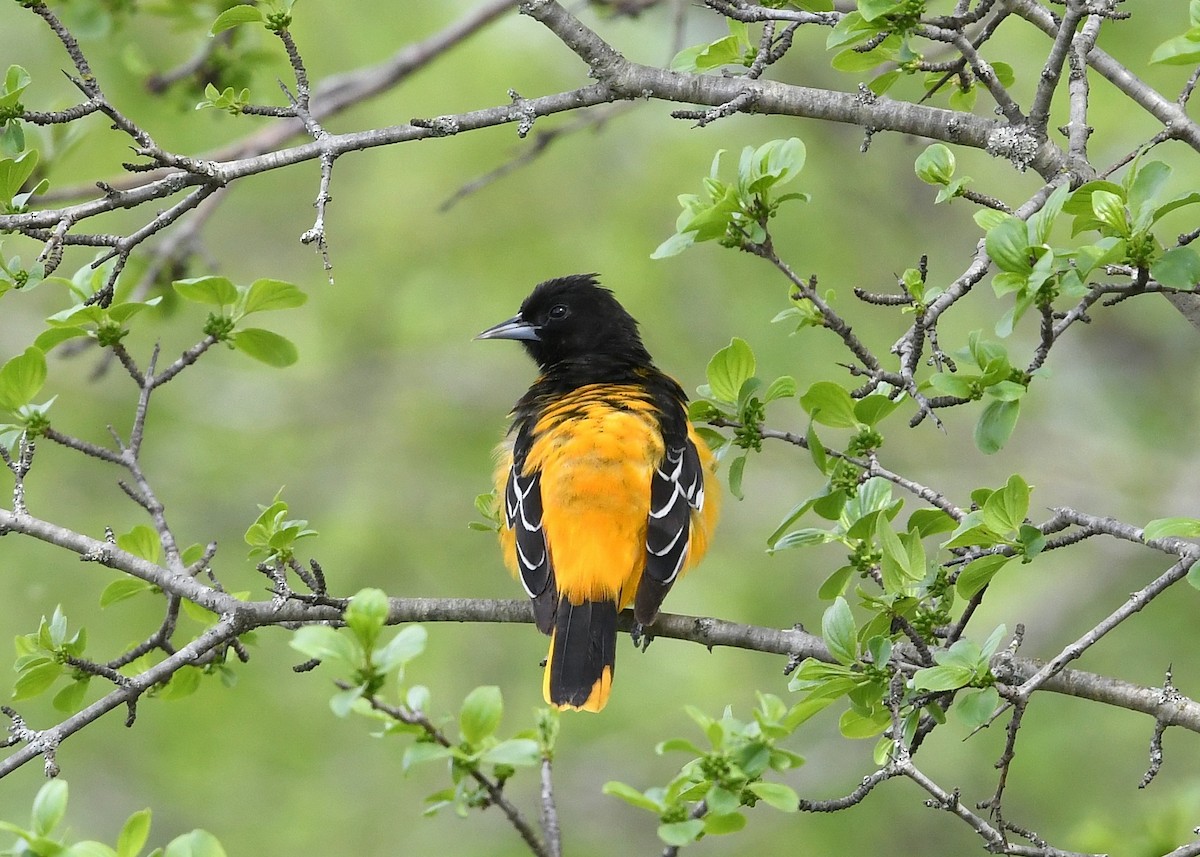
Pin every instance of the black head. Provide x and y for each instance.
(570, 319)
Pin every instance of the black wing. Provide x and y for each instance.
(676, 488)
(523, 515)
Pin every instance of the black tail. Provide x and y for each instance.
(583, 654)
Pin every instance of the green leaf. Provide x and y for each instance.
(1179, 202)
(783, 387)
(1109, 209)
(342, 702)
(417, 697)
(851, 28)
(963, 100)
(480, 714)
(852, 61)
(971, 533)
(836, 583)
(681, 833)
(57, 628)
(988, 218)
(729, 369)
(36, 680)
(959, 386)
(794, 515)
(726, 822)
(1004, 73)
(737, 468)
(1180, 50)
(1079, 204)
(996, 425)
(272, 294)
(816, 449)
(49, 807)
(325, 644)
(88, 849)
(235, 17)
(883, 82)
(266, 346)
(829, 506)
(1005, 510)
(134, 833)
(721, 800)
(1007, 245)
(521, 752)
(1187, 528)
(855, 724)
(803, 538)
(183, 683)
(974, 707)
(839, 632)
(367, 614)
(217, 291)
(142, 542)
(122, 312)
(1178, 268)
(872, 9)
(1144, 192)
(872, 409)
(674, 245)
(783, 798)
(724, 51)
(928, 522)
(774, 163)
(672, 745)
(423, 751)
(198, 843)
(943, 677)
(21, 378)
(978, 573)
(16, 79)
(14, 172)
(52, 336)
(829, 404)
(123, 588)
(631, 796)
(1041, 222)
(903, 560)
(406, 645)
(935, 165)
(1031, 540)
(70, 698)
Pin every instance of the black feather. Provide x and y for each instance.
(585, 642)
(523, 514)
(676, 488)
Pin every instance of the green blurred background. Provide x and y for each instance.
(382, 435)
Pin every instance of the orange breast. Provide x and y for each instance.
(597, 459)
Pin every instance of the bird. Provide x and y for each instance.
(607, 493)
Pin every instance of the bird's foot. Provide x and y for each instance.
(641, 638)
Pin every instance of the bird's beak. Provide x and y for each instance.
(515, 328)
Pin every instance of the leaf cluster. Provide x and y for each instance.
(734, 392)
(736, 213)
(42, 657)
(726, 777)
(49, 810)
(234, 303)
(273, 535)
(478, 758)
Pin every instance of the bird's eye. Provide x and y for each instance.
(558, 312)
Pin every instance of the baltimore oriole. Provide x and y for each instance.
(608, 494)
